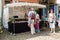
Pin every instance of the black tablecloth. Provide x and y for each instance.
(22, 27)
(19, 27)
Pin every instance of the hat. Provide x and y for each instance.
(32, 8)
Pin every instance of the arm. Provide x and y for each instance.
(54, 17)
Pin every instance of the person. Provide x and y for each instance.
(25, 16)
(32, 23)
(37, 23)
(59, 22)
(51, 20)
(31, 20)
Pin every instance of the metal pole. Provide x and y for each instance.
(13, 23)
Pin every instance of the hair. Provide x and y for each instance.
(33, 16)
(50, 10)
(31, 8)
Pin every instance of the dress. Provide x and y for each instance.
(51, 20)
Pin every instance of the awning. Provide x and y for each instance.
(25, 4)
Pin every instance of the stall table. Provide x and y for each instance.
(19, 27)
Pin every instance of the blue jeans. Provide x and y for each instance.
(37, 30)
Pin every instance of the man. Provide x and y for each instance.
(31, 21)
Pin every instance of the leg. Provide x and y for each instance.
(51, 27)
(37, 27)
(59, 28)
(35, 30)
(32, 27)
(53, 30)
(54, 27)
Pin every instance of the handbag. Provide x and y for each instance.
(51, 21)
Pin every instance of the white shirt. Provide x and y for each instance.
(37, 15)
(51, 16)
(30, 13)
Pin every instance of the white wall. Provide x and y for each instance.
(0, 9)
(5, 17)
(18, 11)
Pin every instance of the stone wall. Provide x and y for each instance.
(32, 1)
(18, 11)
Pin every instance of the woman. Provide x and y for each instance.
(51, 20)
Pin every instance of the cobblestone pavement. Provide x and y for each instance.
(27, 36)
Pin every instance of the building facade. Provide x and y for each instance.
(31, 1)
(11, 1)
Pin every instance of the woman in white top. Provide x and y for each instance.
(51, 20)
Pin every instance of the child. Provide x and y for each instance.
(37, 23)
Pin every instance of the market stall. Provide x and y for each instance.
(14, 18)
